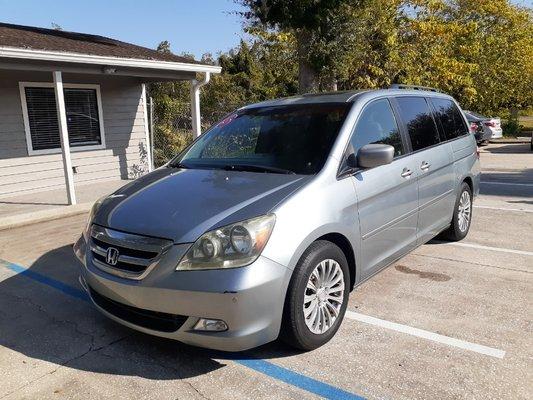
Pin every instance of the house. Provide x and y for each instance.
(73, 107)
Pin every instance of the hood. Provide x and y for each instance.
(182, 204)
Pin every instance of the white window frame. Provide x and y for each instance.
(29, 144)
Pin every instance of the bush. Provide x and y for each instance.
(511, 128)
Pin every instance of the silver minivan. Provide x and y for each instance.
(264, 224)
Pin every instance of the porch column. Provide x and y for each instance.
(195, 103)
(63, 134)
(149, 144)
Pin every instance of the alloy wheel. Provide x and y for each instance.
(323, 297)
(465, 211)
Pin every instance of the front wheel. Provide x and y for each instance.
(462, 215)
(317, 297)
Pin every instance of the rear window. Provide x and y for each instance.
(421, 128)
(449, 118)
(295, 138)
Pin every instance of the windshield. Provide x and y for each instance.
(280, 139)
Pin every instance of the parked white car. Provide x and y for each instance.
(491, 126)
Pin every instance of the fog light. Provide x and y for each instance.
(211, 325)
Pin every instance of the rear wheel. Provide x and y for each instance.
(317, 297)
(462, 215)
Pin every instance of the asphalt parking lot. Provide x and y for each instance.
(445, 322)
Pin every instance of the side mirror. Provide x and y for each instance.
(374, 155)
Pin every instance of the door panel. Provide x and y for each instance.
(387, 207)
(436, 196)
(434, 164)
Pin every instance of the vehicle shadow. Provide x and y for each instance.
(522, 176)
(520, 202)
(515, 148)
(44, 315)
(507, 183)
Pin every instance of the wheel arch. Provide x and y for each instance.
(344, 244)
(469, 181)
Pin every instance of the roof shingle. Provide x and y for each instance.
(27, 37)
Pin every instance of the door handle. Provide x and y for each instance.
(406, 173)
(425, 166)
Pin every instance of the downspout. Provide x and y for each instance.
(195, 103)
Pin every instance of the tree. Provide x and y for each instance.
(480, 51)
(320, 42)
(261, 70)
(438, 50)
(377, 54)
(504, 77)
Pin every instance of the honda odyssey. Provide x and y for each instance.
(263, 225)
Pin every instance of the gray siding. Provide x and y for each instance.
(124, 156)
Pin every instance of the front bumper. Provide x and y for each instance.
(249, 299)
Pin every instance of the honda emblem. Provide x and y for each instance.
(112, 256)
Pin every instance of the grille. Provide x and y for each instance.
(126, 267)
(137, 255)
(154, 320)
(126, 251)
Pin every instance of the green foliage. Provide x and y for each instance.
(480, 51)
(511, 127)
(323, 32)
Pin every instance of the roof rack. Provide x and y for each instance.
(413, 87)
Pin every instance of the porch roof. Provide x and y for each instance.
(24, 47)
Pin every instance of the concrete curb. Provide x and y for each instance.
(517, 140)
(34, 217)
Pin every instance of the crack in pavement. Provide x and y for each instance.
(91, 348)
(165, 367)
(67, 362)
(55, 319)
(59, 321)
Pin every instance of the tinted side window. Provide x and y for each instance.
(377, 125)
(450, 118)
(420, 126)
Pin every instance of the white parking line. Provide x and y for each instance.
(507, 183)
(478, 348)
(504, 209)
(481, 247)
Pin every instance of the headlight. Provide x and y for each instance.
(231, 246)
(92, 213)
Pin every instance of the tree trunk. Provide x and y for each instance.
(307, 76)
(329, 84)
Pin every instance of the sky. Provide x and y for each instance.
(192, 26)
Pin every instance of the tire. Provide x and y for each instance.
(458, 230)
(323, 256)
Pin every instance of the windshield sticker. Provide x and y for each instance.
(227, 120)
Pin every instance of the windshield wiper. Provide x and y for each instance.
(179, 165)
(256, 168)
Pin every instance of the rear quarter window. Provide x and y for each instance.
(449, 118)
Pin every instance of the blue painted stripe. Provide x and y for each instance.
(298, 380)
(274, 371)
(45, 280)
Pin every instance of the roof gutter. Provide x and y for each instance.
(195, 103)
(79, 58)
(198, 84)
